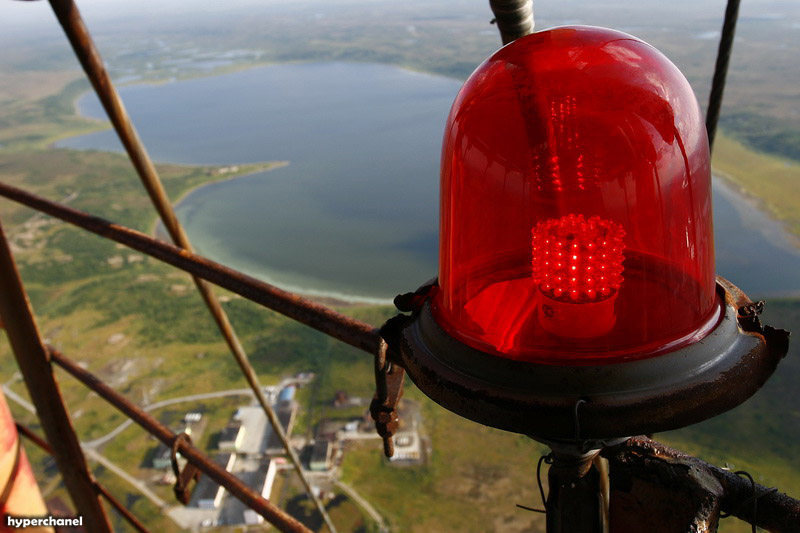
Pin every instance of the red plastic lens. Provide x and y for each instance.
(576, 204)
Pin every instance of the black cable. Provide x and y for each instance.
(543, 459)
(754, 498)
(721, 69)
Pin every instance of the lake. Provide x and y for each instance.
(355, 214)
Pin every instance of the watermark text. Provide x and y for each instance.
(21, 522)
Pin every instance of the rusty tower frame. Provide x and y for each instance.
(695, 492)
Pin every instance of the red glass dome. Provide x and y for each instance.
(576, 204)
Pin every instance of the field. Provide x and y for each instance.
(772, 180)
(141, 327)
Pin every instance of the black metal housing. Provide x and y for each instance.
(593, 404)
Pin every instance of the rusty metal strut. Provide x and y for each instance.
(121, 509)
(276, 516)
(721, 69)
(348, 330)
(34, 364)
(89, 56)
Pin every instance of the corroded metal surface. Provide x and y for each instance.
(32, 360)
(617, 400)
(671, 495)
(348, 330)
(389, 380)
(775, 511)
(186, 479)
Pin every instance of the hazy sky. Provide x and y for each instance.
(28, 21)
(15, 14)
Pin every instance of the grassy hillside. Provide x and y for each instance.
(772, 180)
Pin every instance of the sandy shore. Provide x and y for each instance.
(757, 202)
(246, 170)
(249, 170)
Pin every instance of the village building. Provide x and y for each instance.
(208, 493)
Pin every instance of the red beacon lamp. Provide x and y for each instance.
(577, 301)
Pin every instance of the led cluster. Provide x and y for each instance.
(578, 260)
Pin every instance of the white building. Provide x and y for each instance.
(232, 438)
(407, 447)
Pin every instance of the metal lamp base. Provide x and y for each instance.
(593, 405)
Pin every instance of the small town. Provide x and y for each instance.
(250, 449)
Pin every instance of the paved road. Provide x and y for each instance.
(95, 456)
(19, 399)
(137, 483)
(192, 398)
(350, 491)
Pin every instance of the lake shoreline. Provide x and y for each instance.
(316, 296)
(311, 282)
(321, 297)
(247, 170)
(758, 203)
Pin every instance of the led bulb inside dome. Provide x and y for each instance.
(577, 266)
(577, 260)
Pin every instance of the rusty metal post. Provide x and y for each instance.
(514, 18)
(34, 364)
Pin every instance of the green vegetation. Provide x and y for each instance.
(772, 180)
(24, 126)
(763, 134)
(343, 512)
(473, 469)
(140, 326)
